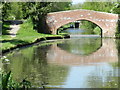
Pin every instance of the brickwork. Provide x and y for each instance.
(106, 21)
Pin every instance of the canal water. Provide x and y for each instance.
(78, 62)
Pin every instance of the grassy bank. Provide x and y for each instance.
(25, 36)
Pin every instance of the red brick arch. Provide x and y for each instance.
(106, 21)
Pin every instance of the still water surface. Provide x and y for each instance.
(85, 62)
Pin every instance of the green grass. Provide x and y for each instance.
(25, 35)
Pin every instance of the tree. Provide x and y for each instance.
(98, 6)
(34, 10)
(11, 10)
(5, 8)
(38, 10)
(116, 8)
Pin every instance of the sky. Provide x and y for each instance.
(77, 1)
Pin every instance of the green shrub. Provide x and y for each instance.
(7, 82)
(97, 30)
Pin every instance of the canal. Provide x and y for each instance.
(78, 62)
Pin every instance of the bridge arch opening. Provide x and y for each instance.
(88, 26)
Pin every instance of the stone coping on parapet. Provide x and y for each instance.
(85, 10)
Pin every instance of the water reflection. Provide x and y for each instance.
(57, 65)
(81, 46)
(107, 53)
(73, 31)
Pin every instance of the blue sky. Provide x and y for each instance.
(77, 1)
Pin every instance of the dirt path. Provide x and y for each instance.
(15, 26)
(14, 30)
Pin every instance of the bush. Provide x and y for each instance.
(7, 82)
(97, 30)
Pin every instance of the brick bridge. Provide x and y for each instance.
(106, 21)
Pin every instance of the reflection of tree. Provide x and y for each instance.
(102, 78)
(31, 63)
(118, 47)
(83, 46)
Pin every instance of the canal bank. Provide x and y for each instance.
(24, 37)
(36, 41)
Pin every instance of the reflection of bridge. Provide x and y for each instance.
(107, 53)
(106, 21)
